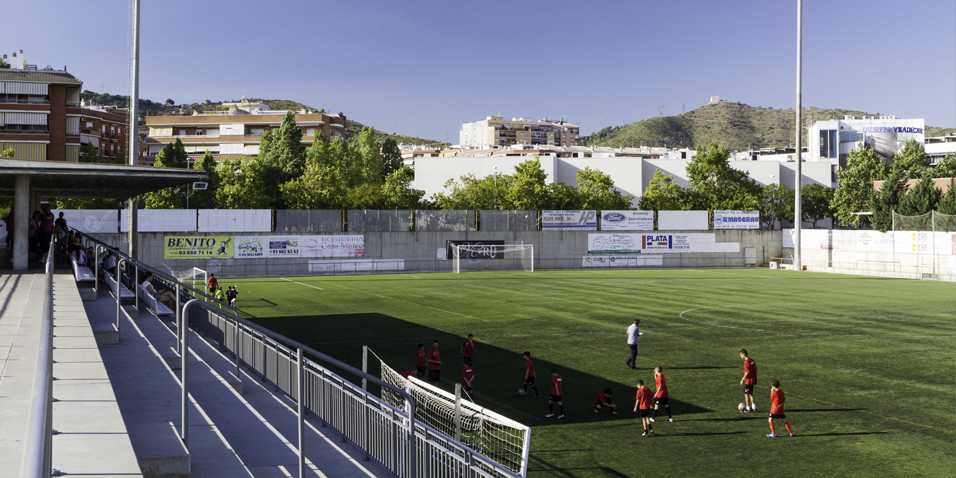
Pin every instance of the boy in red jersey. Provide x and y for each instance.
(642, 401)
(660, 395)
(468, 349)
(529, 375)
(776, 408)
(604, 400)
(749, 380)
(434, 363)
(420, 361)
(556, 386)
(467, 378)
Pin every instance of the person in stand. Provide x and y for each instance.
(434, 363)
(33, 225)
(467, 379)
(162, 295)
(468, 349)
(529, 375)
(45, 230)
(642, 402)
(9, 220)
(420, 361)
(212, 284)
(660, 395)
(603, 400)
(633, 332)
(749, 381)
(776, 408)
(557, 385)
(60, 230)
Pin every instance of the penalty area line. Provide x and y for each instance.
(302, 283)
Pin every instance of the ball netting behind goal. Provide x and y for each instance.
(493, 257)
(493, 435)
(191, 274)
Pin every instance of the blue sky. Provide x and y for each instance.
(422, 67)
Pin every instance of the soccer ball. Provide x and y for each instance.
(740, 407)
(522, 392)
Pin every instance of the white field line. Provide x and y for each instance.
(302, 283)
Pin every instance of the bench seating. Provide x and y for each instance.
(82, 273)
(156, 306)
(110, 281)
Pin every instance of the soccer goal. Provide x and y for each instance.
(493, 257)
(495, 436)
(183, 274)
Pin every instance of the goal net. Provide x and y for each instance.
(188, 275)
(493, 435)
(931, 221)
(493, 257)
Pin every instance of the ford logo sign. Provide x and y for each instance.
(614, 217)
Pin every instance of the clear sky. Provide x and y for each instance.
(421, 67)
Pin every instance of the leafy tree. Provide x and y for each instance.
(319, 187)
(562, 196)
(472, 193)
(662, 194)
(947, 204)
(921, 198)
(777, 205)
(391, 157)
(369, 156)
(596, 190)
(90, 154)
(8, 153)
(170, 102)
(884, 203)
(397, 190)
(719, 186)
(199, 199)
(172, 156)
(89, 203)
(946, 168)
(529, 191)
(281, 158)
(855, 185)
(242, 185)
(815, 203)
(912, 160)
(365, 196)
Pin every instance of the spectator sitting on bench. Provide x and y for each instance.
(162, 295)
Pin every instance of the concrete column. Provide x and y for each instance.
(21, 223)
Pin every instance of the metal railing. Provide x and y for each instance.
(38, 451)
(386, 434)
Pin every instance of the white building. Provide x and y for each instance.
(495, 131)
(833, 140)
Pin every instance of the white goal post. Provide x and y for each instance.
(182, 274)
(495, 257)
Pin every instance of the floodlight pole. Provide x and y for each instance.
(798, 183)
(134, 127)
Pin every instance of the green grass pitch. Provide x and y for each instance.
(868, 364)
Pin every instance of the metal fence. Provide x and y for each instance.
(366, 220)
(298, 221)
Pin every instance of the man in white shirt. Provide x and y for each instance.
(162, 295)
(632, 334)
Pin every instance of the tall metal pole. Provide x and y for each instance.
(134, 127)
(798, 183)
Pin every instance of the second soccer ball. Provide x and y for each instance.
(740, 407)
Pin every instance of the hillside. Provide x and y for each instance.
(151, 108)
(735, 125)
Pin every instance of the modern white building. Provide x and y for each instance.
(833, 140)
(495, 131)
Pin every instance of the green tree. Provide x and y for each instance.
(369, 156)
(241, 185)
(397, 190)
(391, 157)
(921, 198)
(815, 202)
(470, 192)
(529, 191)
(912, 160)
(90, 154)
(662, 194)
(884, 203)
(719, 186)
(319, 187)
(562, 196)
(946, 219)
(596, 191)
(281, 158)
(199, 199)
(855, 185)
(171, 156)
(946, 167)
(8, 153)
(777, 205)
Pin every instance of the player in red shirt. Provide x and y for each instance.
(529, 376)
(776, 408)
(556, 387)
(604, 400)
(212, 283)
(642, 401)
(468, 349)
(467, 378)
(749, 380)
(420, 361)
(660, 395)
(434, 363)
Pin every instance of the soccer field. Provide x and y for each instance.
(868, 364)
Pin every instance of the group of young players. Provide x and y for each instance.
(646, 403)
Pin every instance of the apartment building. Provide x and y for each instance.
(107, 130)
(234, 132)
(40, 114)
(495, 131)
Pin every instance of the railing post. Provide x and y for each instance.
(135, 281)
(238, 351)
(457, 412)
(96, 270)
(119, 298)
(184, 361)
(364, 366)
(179, 320)
(300, 389)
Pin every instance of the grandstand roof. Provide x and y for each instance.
(55, 178)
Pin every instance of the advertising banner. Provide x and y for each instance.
(657, 243)
(610, 261)
(198, 247)
(331, 246)
(627, 220)
(569, 220)
(478, 252)
(736, 219)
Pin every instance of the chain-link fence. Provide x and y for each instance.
(318, 220)
(441, 221)
(369, 220)
(931, 221)
(504, 221)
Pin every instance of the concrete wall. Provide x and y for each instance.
(425, 252)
